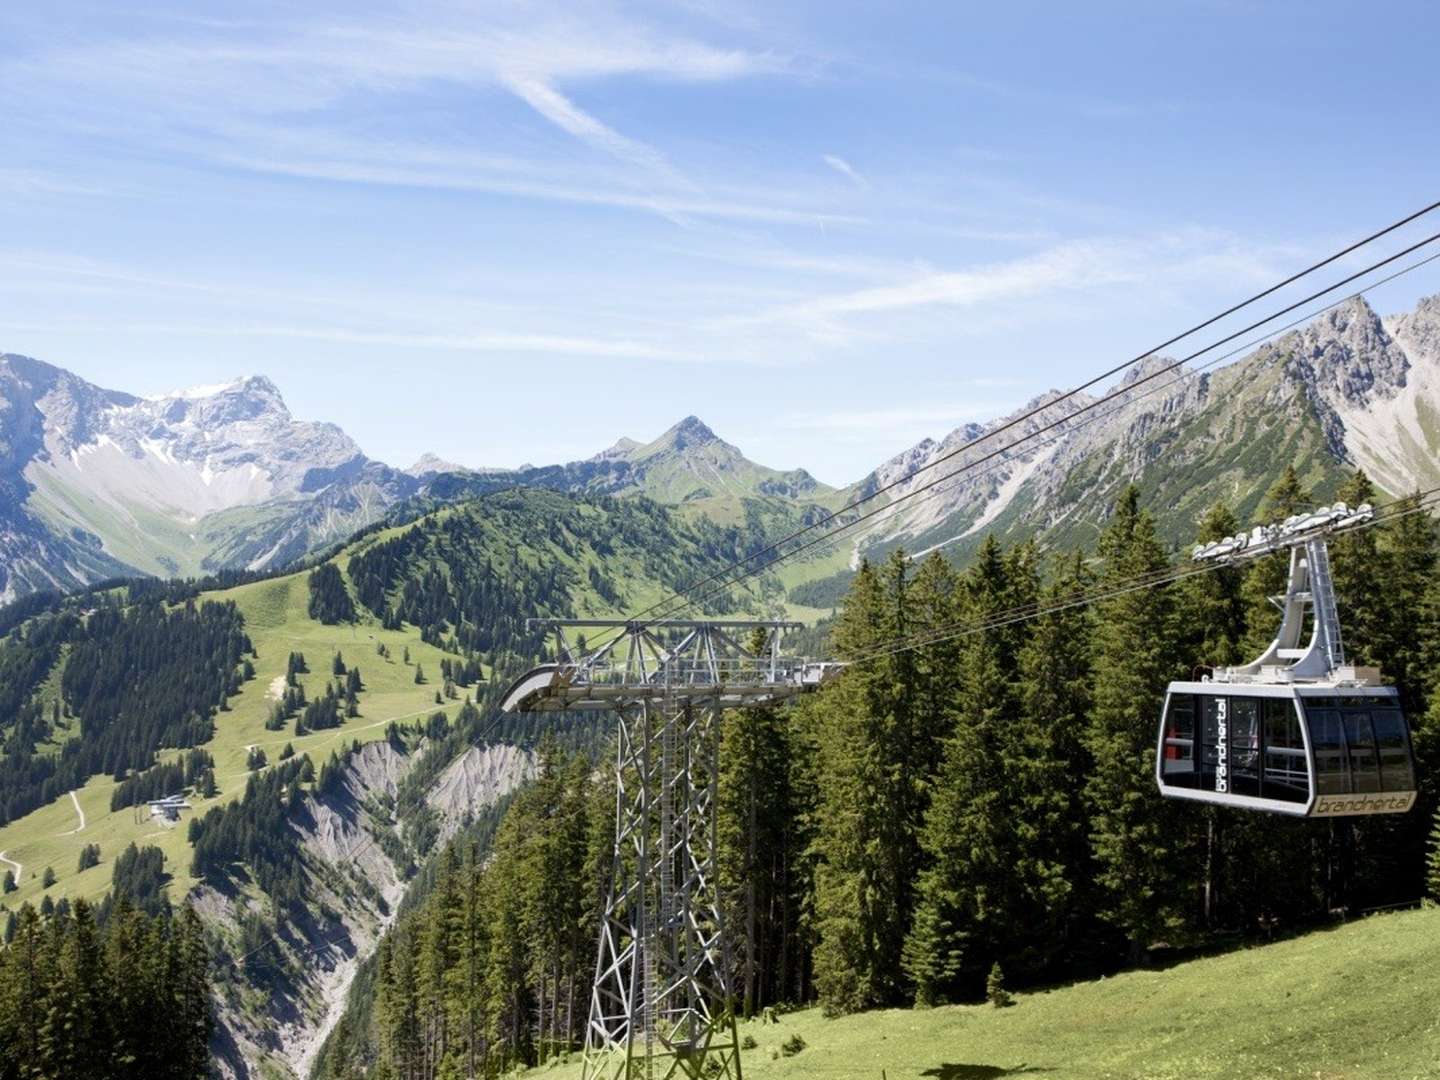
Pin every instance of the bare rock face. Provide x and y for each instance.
(479, 778)
(1418, 332)
(1348, 390)
(96, 483)
(427, 465)
(354, 893)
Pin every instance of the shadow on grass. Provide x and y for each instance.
(979, 1072)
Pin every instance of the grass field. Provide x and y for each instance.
(1358, 1002)
(277, 622)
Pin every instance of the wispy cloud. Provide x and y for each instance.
(499, 342)
(208, 90)
(565, 114)
(351, 159)
(22, 182)
(1063, 269)
(845, 169)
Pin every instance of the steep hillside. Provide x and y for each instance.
(1350, 389)
(298, 863)
(1338, 1004)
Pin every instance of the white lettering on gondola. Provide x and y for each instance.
(1222, 744)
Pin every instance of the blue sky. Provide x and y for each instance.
(510, 232)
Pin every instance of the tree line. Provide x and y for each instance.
(107, 999)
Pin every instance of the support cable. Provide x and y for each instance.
(682, 595)
(1418, 502)
(929, 489)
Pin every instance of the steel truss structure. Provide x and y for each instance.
(661, 1004)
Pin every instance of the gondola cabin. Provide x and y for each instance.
(1297, 731)
(1306, 750)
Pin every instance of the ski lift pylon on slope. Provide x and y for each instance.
(1297, 731)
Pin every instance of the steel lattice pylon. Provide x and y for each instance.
(661, 1006)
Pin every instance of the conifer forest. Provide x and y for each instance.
(939, 815)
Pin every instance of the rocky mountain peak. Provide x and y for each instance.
(690, 432)
(1346, 357)
(1418, 332)
(1143, 368)
(429, 464)
(621, 450)
(250, 398)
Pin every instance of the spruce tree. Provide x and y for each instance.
(967, 839)
(1044, 763)
(1138, 839)
(1266, 577)
(1404, 623)
(1212, 605)
(1361, 592)
(756, 815)
(872, 774)
(995, 991)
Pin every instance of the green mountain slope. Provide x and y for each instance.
(440, 608)
(1352, 1003)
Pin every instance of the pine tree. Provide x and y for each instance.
(1267, 576)
(1403, 624)
(1360, 590)
(1044, 761)
(964, 889)
(1138, 840)
(757, 816)
(47, 878)
(872, 777)
(1212, 606)
(995, 991)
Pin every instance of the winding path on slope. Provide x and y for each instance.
(11, 862)
(79, 810)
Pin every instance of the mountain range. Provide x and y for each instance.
(97, 483)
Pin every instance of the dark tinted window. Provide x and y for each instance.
(1364, 762)
(1177, 755)
(1245, 745)
(1286, 772)
(1392, 742)
(1327, 740)
(1361, 746)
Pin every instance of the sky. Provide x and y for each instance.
(513, 232)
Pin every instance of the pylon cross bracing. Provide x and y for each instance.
(661, 1004)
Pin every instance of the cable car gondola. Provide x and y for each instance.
(1297, 731)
